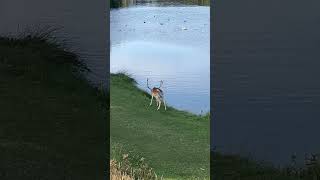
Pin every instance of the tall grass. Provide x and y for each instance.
(234, 167)
(116, 173)
(44, 46)
(130, 165)
(125, 170)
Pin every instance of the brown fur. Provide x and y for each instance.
(157, 93)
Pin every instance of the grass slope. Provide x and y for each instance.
(175, 143)
(231, 167)
(52, 122)
(234, 167)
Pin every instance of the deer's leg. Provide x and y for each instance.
(151, 100)
(164, 102)
(159, 105)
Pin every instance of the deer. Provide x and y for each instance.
(157, 93)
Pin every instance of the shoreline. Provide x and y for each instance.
(201, 112)
(52, 119)
(174, 143)
(234, 166)
(56, 106)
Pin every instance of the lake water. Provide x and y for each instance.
(82, 23)
(165, 41)
(267, 85)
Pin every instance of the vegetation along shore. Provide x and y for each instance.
(234, 167)
(53, 125)
(52, 121)
(174, 143)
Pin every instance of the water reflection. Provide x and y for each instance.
(267, 96)
(185, 80)
(165, 43)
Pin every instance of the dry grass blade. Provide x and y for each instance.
(116, 173)
(124, 170)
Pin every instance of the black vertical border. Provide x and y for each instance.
(212, 77)
(107, 124)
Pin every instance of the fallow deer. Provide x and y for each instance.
(157, 93)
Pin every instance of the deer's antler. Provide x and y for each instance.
(148, 84)
(161, 82)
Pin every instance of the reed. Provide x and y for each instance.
(125, 170)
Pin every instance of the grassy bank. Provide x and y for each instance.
(174, 143)
(52, 122)
(233, 167)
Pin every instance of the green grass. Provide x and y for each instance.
(234, 167)
(52, 122)
(174, 143)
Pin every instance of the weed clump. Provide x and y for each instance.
(125, 170)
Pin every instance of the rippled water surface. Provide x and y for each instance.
(78, 22)
(169, 43)
(267, 86)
